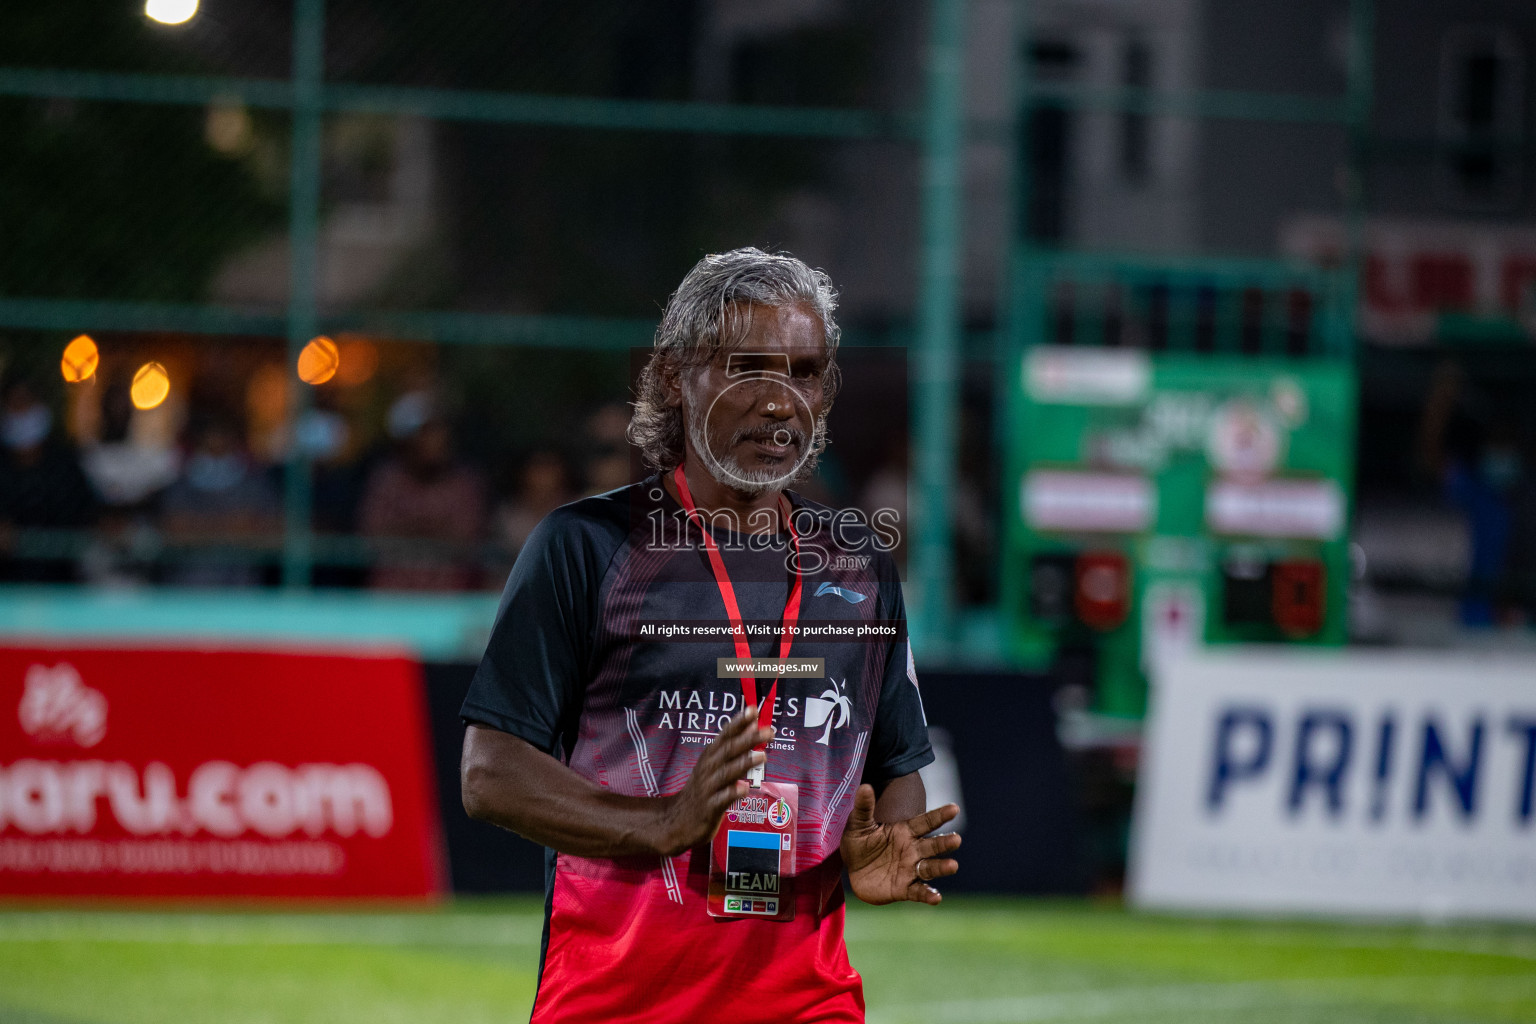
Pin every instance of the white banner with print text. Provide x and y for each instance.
(1351, 783)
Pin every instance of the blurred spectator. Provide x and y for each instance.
(128, 476)
(424, 494)
(1519, 590)
(608, 455)
(544, 484)
(126, 473)
(222, 500)
(886, 489)
(325, 437)
(1479, 465)
(41, 487)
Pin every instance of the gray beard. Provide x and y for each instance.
(729, 472)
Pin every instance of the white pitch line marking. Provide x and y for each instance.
(266, 931)
(1118, 1002)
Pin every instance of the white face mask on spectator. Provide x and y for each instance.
(321, 434)
(27, 428)
(207, 472)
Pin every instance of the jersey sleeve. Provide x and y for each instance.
(899, 745)
(531, 678)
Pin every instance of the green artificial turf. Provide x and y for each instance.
(974, 959)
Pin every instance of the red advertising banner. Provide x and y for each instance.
(164, 772)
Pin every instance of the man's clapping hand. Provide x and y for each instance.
(894, 861)
(718, 780)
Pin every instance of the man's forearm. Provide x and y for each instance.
(510, 783)
(902, 798)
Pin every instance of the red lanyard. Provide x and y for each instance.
(733, 611)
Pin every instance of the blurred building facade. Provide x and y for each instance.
(523, 202)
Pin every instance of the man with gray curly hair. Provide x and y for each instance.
(714, 306)
(699, 810)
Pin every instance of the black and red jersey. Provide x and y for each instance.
(587, 662)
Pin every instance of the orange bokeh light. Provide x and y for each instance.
(319, 361)
(80, 360)
(151, 385)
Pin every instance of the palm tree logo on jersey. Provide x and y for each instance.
(820, 710)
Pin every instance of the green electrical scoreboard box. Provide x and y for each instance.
(1157, 501)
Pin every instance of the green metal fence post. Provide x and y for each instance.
(1007, 346)
(303, 260)
(938, 335)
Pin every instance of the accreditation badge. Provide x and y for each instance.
(752, 857)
